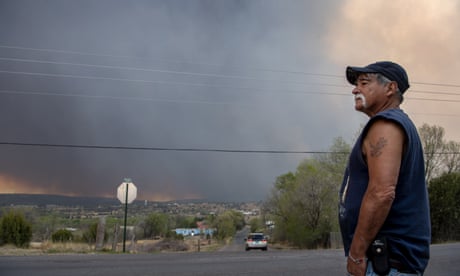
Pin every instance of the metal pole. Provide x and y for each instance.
(126, 216)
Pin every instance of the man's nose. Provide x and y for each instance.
(355, 90)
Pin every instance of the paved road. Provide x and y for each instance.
(445, 261)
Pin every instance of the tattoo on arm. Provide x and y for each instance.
(376, 149)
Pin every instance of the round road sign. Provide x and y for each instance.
(126, 187)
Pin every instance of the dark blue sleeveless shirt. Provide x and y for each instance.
(407, 226)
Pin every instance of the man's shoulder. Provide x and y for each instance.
(386, 121)
(392, 112)
(395, 116)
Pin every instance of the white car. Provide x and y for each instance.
(256, 241)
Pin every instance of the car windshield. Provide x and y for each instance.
(256, 237)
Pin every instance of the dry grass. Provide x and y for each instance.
(11, 250)
(203, 245)
(41, 248)
(190, 244)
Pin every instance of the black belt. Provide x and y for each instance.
(401, 268)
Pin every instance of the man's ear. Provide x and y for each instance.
(392, 87)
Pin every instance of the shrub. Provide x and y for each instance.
(62, 235)
(444, 193)
(14, 229)
(90, 234)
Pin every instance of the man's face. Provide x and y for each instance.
(368, 93)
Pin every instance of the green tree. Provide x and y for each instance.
(444, 193)
(62, 235)
(337, 157)
(451, 157)
(228, 223)
(256, 225)
(237, 218)
(304, 204)
(156, 224)
(224, 226)
(184, 222)
(90, 234)
(440, 156)
(14, 229)
(278, 206)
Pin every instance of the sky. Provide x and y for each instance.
(203, 99)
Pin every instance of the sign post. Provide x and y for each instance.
(126, 193)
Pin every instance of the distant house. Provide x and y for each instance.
(201, 229)
(187, 231)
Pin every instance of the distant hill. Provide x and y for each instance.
(42, 200)
(60, 200)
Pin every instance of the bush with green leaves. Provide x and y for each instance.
(228, 223)
(303, 204)
(156, 224)
(90, 234)
(62, 235)
(15, 229)
(256, 225)
(444, 194)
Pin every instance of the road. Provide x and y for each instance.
(445, 261)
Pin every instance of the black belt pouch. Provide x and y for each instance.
(379, 256)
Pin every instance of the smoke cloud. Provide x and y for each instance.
(246, 76)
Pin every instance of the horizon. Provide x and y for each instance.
(116, 199)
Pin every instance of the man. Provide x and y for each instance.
(383, 195)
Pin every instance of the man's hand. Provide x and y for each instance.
(356, 267)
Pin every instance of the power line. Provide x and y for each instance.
(435, 114)
(200, 63)
(14, 92)
(434, 92)
(185, 149)
(237, 77)
(207, 85)
(437, 84)
(62, 94)
(181, 83)
(158, 70)
(166, 61)
(130, 98)
(436, 100)
(166, 149)
(142, 81)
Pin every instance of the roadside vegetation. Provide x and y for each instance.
(24, 228)
(303, 204)
(15, 229)
(300, 212)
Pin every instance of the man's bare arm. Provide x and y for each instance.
(382, 148)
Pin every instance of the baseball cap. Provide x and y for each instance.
(390, 70)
